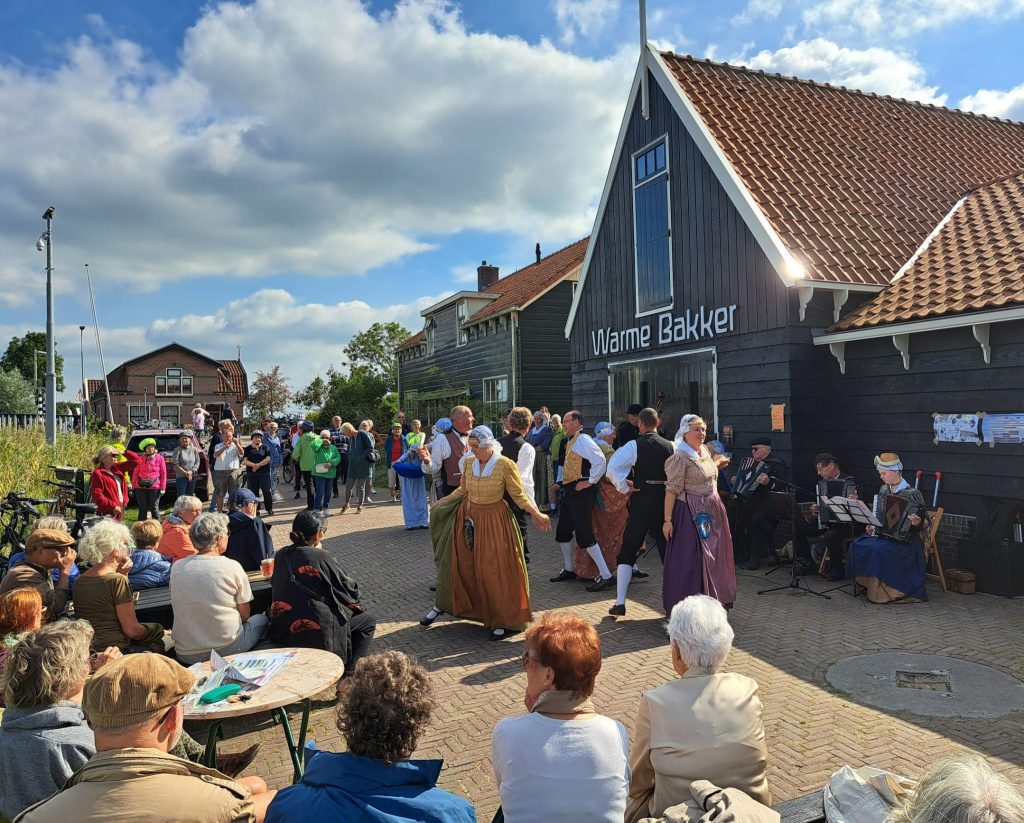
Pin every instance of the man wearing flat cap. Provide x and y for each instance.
(629, 429)
(45, 550)
(134, 707)
(758, 513)
(835, 483)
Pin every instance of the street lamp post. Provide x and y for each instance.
(35, 366)
(85, 389)
(51, 365)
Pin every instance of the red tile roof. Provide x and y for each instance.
(974, 262)
(419, 337)
(233, 378)
(93, 387)
(852, 182)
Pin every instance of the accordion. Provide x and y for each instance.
(746, 477)
(832, 488)
(894, 513)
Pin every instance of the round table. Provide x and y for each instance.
(309, 672)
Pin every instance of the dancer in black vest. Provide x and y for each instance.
(645, 457)
(516, 449)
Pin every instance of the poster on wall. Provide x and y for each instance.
(957, 428)
(1004, 429)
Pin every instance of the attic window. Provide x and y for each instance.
(461, 315)
(652, 228)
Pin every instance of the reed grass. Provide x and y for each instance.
(25, 458)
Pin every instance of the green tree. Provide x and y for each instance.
(269, 393)
(16, 393)
(359, 395)
(21, 355)
(375, 350)
(315, 394)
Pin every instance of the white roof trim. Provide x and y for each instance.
(928, 240)
(574, 271)
(460, 295)
(608, 180)
(956, 321)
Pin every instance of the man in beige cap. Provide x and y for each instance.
(46, 549)
(134, 706)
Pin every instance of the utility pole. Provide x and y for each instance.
(85, 389)
(51, 364)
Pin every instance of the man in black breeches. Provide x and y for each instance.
(757, 515)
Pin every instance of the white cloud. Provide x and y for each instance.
(902, 18)
(585, 18)
(873, 69)
(758, 10)
(1007, 104)
(306, 137)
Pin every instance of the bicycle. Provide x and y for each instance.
(16, 513)
(67, 497)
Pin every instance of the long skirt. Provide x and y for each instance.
(890, 571)
(608, 520)
(442, 525)
(414, 502)
(695, 566)
(541, 480)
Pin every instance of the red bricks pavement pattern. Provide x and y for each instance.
(785, 640)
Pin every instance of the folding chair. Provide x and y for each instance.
(931, 549)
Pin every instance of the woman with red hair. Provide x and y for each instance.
(21, 612)
(562, 760)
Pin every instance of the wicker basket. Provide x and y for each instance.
(960, 581)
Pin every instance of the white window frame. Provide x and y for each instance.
(181, 377)
(428, 337)
(668, 205)
(176, 406)
(461, 316)
(145, 419)
(487, 380)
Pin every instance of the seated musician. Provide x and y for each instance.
(758, 511)
(825, 525)
(892, 568)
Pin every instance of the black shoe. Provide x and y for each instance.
(500, 634)
(233, 764)
(752, 565)
(433, 588)
(297, 495)
(562, 576)
(600, 584)
(618, 610)
(640, 574)
(431, 616)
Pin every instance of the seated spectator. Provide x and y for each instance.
(383, 710)
(249, 539)
(705, 725)
(58, 523)
(315, 603)
(134, 707)
(175, 542)
(562, 760)
(211, 597)
(150, 569)
(44, 738)
(21, 612)
(104, 596)
(45, 549)
(962, 789)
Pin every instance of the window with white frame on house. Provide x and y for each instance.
(173, 381)
(138, 415)
(652, 229)
(496, 389)
(428, 333)
(171, 414)
(461, 315)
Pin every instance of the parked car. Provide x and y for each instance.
(167, 440)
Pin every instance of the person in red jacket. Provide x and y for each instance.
(109, 487)
(149, 479)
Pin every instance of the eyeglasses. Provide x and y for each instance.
(524, 660)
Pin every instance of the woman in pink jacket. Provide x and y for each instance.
(149, 479)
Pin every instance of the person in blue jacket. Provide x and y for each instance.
(382, 711)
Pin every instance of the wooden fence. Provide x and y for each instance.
(65, 422)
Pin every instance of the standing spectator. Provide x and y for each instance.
(359, 465)
(410, 469)
(249, 541)
(415, 437)
(199, 415)
(227, 460)
(108, 485)
(211, 597)
(539, 437)
(558, 440)
(256, 459)
(45, 549)
(304, 459)
(325, 470)
(186, 463)
(394, 448)
(378, 444)
(175, 542)
(227, 413)
(514, 447)
(149, 479)
(273, 444)
(406, 428)
(341, 444)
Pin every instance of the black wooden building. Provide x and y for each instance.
(763, 240)
(497, 347)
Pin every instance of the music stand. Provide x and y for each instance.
(853, 511)
(795, 580)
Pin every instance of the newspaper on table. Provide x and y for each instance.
(250, 671)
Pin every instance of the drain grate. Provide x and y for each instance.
(936, 680)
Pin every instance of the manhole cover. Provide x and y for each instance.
(927, 684)
(937, 681)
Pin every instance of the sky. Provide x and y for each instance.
(279, 174)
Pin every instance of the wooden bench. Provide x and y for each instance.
(160, 597)
(809, 808)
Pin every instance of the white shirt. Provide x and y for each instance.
(206, 590)
(441, 450)
(227, 459)
(586, 448)
(549, 770)
(621, 465)
(525, 461)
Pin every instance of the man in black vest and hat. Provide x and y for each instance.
(758, 513)
(628, 430)
(645, 457)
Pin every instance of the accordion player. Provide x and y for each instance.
(832, 483)
(756, 511)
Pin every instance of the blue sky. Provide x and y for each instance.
(278, 174)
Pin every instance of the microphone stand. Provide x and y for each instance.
(795, 580)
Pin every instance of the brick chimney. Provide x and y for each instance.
(486, 276)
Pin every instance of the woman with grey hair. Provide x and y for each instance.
(962, 789)
(704, 725)
(211, 597)
(359, 466)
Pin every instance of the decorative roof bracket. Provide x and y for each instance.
(805, 294)
(902, 344)
(980, 331)
(839, 298)
(839, 353)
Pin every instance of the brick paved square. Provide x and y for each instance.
(784, 640)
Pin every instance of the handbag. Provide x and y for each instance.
(146, 482)
(373, 456)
